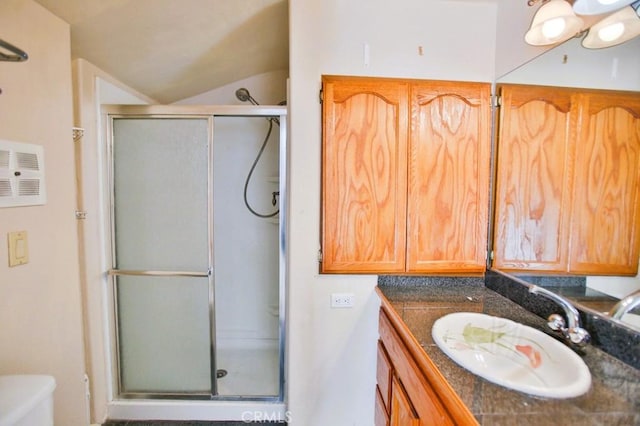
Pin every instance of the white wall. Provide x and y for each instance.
(269, 88)
(513, 21)
(614, 286)
(40, 305)
(332, 353)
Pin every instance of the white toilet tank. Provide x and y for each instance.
(26, 400)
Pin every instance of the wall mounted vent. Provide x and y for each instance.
(21, 174)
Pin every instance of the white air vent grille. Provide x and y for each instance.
(21, 174)
(27, 160)
(4, 158)
(5, 188)
(28, 187)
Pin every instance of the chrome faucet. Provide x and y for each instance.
(625, 305)
(573, 331)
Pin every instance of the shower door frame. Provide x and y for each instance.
(114, 112)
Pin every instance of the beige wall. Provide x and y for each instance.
(92, 87)
(40, 309)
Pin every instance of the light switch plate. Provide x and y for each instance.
(18, 248)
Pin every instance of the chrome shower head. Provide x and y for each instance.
(243, 95)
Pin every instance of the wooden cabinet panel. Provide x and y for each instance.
(448, 185)
(381, 417)
(606, 218)
(568, 181)
(402, 412)
(533, 179)
(364, 175)
(383, 375)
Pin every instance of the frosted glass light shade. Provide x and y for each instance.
(553, 23)
(596, 7)
(611, 32)
(601, 34)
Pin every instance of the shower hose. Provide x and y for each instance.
(253, 166)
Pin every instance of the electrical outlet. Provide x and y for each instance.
(342, 300)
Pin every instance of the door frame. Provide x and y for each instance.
(108, 114)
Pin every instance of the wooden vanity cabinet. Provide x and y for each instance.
(411, 390)
(405, 175)
(567, 181)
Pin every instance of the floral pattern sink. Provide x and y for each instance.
(512, 355)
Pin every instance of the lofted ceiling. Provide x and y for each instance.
(170, 50)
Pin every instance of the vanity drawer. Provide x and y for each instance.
(383, 375)
(381, 413)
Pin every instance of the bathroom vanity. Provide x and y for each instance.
(419, 385)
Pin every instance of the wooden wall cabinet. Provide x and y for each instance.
(410, 390)
(405, 177)
(567, 181)
(364, 173)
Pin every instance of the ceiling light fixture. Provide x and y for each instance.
(597, 7)
(615, 29)
(553, 23)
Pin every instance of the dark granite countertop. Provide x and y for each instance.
(614, 397)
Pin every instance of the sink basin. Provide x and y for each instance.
(512, 355)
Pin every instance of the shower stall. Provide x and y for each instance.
(196, 223)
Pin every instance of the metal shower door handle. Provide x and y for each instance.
(116, 272)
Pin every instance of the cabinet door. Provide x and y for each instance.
(533, 178)
(383, 374)
(606, 217)
(449, 168)
(364, 174)
(402, 412)
(381, 417)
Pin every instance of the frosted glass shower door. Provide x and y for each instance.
(162, 255)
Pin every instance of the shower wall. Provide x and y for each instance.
(245, 246)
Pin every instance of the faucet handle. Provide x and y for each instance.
(579, 336)
(556, 322)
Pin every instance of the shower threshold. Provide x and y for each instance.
(195, 410)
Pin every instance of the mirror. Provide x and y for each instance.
(571, 65)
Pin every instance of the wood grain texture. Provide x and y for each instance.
(606, 218)
(568, 181)
(364, 175)
(402, 412)
(533, 178)
(449, 169)
(381, 416)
